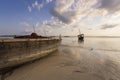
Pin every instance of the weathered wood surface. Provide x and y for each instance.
(18, 51)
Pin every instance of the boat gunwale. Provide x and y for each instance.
(20, 40)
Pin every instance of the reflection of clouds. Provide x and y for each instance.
(103, 64)
(99, 63)
(103, 61)
(71, 53)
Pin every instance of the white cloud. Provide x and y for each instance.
(61, 10)
(81, 13)
(28, 31)
(71, 12)
(37, 5)
(36, 24)
(29, 9)
(29, 28)
(48, 1)
(55, 22)
(25, 24)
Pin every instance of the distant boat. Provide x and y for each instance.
(80, 36)
(22, 49)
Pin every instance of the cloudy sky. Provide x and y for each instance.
(66, 17)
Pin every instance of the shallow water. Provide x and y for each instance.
(111, 44)
(93, 59)
(99, 56)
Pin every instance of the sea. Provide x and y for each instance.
(97, 55)
(95, 58)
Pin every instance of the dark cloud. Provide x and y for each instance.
(106, 26)
(62, 10)
(66, 17)
(109, 5)
(58, 15)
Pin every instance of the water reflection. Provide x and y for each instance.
(80, 41)
(98, 57)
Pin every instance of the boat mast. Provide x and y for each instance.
(44, 32)
(34, 28)
(79, 31)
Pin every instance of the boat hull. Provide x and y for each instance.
(14, 52)
(81, 37)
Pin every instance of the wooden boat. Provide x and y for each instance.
(22, 49)
(80, 36)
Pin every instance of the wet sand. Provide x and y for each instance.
(70, 63)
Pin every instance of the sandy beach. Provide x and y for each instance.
(54, 67)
